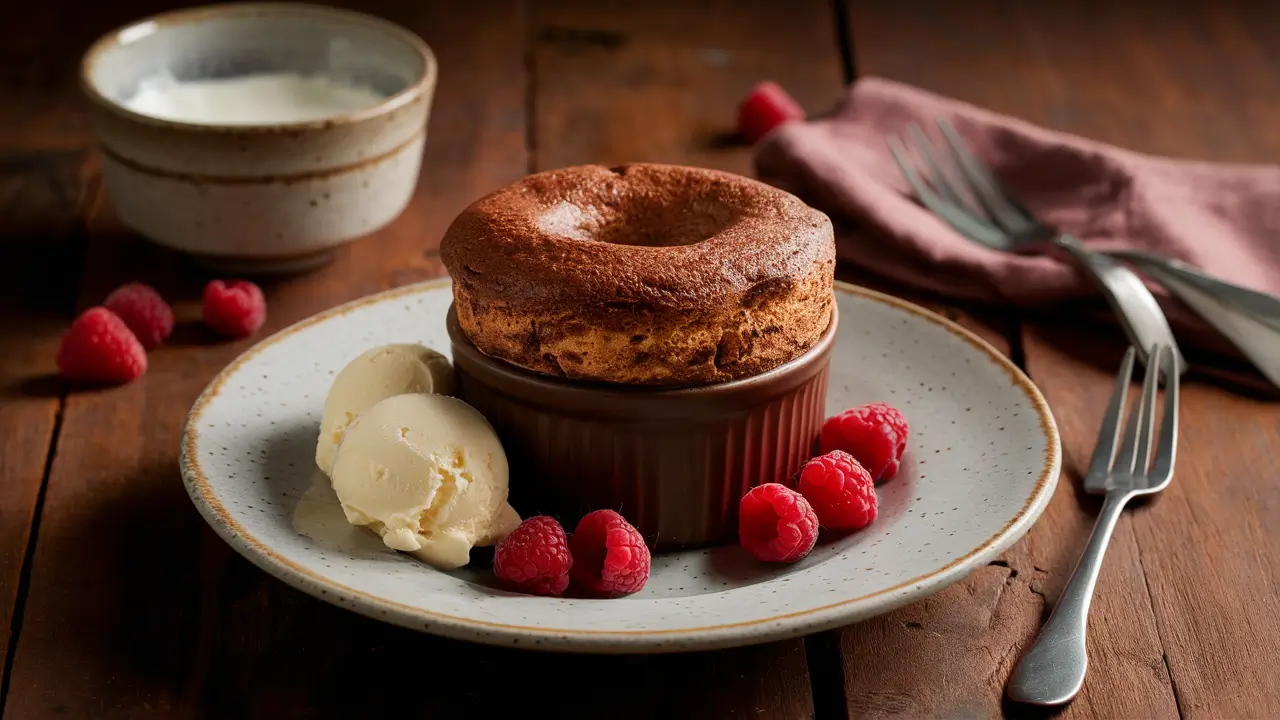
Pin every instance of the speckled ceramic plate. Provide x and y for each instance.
(981, 464)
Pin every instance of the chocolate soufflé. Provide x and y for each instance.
(651, 339)
(644, 274)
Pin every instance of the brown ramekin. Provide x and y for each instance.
(674, 462)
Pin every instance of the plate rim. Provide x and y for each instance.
(780, 626)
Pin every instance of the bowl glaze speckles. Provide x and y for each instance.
(982, 462)
(260, 198)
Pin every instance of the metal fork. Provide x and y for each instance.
(999, 222)
(1053, 668)
(1248, 318)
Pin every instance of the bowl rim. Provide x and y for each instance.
(185, 16)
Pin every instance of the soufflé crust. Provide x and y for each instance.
(642, 274)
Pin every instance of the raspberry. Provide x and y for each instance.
(99, 347)
(535, 557)
(766, 107)
(609, 555)
(776, 523)
(236, 309)
(874, 434)
(144, 311)
(840, 490)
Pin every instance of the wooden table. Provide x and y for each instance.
(117, 601)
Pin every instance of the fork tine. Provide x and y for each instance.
(1109, 433)
(967, 225)
(929, 153)
(1137, 432)
(1150, 386)
(1166, 449)
(986, 188)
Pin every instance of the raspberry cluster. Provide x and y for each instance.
(605, 557)
(836, 490)
(108, 343)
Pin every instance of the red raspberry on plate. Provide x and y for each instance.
(609, 555)
(766, 107)
(535, 557)
(236, 309)
(144, 311)
(776, 523)
(840, 490)
(875, 434)
(99, 347)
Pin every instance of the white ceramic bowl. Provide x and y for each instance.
(261, 197)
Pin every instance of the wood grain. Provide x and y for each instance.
(972, 634)
(1195, 565)
(40, 200)
(175, 624)
(269, 653)
(133, 608)
(595, 94)
(660, 82)
(125, 614)
(1210, 565)
(950, 655)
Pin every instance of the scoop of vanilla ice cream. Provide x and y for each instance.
(378, 373)
(427, 473)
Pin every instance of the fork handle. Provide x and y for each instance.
(1139, 313)
(1052, 670)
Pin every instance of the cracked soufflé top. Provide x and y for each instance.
(642, 274)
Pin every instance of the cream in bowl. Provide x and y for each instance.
(262, 99)
(259, 137)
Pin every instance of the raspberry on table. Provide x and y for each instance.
(610, 557)
(841, 491)
(99, 347)
(776, 523)
(766, 107)
(534, 558)
(144, 311)
(235, 309)
(875, 435)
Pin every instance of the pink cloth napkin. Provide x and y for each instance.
(1224, 219)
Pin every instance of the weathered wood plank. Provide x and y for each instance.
(1199, 82)
(952, 654)
(1211, 563)
(181, 626)
(135, 609)
(660, 82)
(606, 115)
(41, 194)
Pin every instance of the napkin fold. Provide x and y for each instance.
(1221, 218)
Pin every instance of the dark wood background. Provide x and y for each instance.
(117, 602)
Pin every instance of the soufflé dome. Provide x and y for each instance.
(643, 274)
